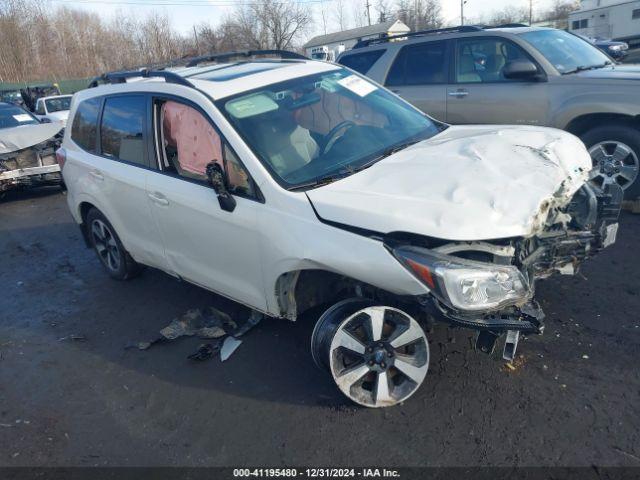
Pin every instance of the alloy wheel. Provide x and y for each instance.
(613, 162)
(379, 356)
(105, 245)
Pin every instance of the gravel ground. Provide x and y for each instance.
(572, 399)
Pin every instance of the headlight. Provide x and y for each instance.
(615, 48)
(465, 284)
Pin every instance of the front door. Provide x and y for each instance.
(203, 243)
(482, 95)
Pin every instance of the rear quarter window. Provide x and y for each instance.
(420, 64)
(84, 130)
(121, 132)
(361, 62)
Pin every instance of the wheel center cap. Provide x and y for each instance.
(379, 356)
(608, 167)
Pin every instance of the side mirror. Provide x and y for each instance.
(521, 70)
(218, 183)
(45, 120)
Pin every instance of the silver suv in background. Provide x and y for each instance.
(517, 75)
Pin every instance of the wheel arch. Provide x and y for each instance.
(83, 210)
(300, 290)
(583, 123)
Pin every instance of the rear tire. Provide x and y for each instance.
(615, 153)
(107, 245)
(377, 355)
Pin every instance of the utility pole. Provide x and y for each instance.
(462, 2)
(530, 12)
(368, 5)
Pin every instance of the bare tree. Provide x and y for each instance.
(420, 14)
(509, 14)
(341, 15)
(40, 43)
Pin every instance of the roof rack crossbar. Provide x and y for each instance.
(419, 33)
(121, 77)
(222, 57)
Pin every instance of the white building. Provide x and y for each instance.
(608, 19)
(328, 47)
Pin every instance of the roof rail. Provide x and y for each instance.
(222, 57)
(419, 33)
(121, 77)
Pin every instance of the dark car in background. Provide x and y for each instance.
(616, 50)
(527, 76)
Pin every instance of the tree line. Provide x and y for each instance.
(40, 42)
(43, 43)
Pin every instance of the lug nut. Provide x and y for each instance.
(390, 354)
(371, 363)
(383, 365)
(370, 349)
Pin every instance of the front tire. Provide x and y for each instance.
(107, 245)
(377, 355)
(615, 153)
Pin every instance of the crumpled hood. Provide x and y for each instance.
(467, 183)
(17, 138)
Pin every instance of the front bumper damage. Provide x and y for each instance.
(32, 166)
(573, 233)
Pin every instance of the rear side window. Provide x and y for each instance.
(84, 129)
(122, 126)
(420, 64)
(361, 62)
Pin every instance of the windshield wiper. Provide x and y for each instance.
(348, 170)
(318, 182)
(582, 68)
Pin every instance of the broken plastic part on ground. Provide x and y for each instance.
(228, 347)
(207, 323)
(206, 351)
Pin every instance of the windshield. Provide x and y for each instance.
(13, 116)
(567, 52)
(324, 126)
(58, 104)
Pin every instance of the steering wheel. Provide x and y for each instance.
(331, 137)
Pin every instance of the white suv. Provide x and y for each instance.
(287, 183)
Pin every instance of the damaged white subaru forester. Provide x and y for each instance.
(286, 184)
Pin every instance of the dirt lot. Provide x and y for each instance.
(572, 399)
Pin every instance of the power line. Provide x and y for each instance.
(188, 3)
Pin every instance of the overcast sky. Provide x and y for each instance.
(185, 13)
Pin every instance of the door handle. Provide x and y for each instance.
(459, 93)
(97, 174)
(158, 198)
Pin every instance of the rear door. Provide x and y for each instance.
(419, 74)
(481, 94)
(110, 169)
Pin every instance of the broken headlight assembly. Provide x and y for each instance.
(465, 284)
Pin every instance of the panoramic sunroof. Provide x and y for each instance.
(239, 70)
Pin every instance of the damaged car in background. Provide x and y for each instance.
(27, 150)
(287, 184)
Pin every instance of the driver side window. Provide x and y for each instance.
(187, 142)
(482, 60)
(40, 108)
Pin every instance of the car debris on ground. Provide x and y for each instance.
(208, 323)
